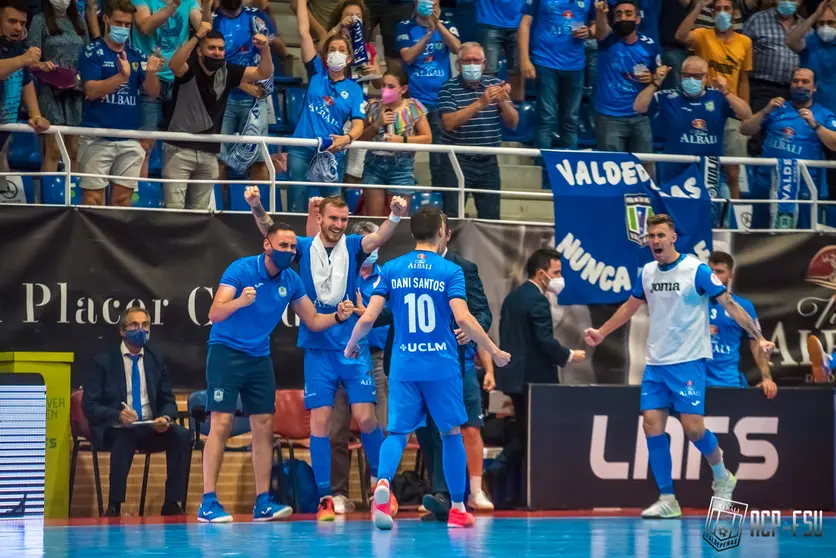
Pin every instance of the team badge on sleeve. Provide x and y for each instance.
(716, 280)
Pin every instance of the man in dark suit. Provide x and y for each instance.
(127, 384)
(525, 330)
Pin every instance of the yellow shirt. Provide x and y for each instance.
(725, 58)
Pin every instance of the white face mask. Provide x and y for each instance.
(60, 5)
(555, 285)
(826, 33)
(336, 61)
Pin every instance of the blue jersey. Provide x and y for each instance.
(499, 13)
(430, 69)
(119, 110)
(248, 329)
(726, 335)
(692, 125)
(328, 104)
(419, 286)
(820, 57)
(377, 336)
(334, 338)
(618, 62)
(552, 44)
(787, 136)
(238, 35)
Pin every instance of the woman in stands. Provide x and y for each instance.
(60, 33)
(394, 118)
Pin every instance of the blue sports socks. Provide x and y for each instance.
(321, 464)
(372, 442)
(390, 455)
(659, 455)
(454, 461)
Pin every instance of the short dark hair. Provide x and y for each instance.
(542, 258)
(213, 34)
(396, 70)
(19, 5)
(336, 201)
(426, 222)
(718, 257)
(812, 71)
(633, 3)
(661, 219)
(123, 319)
(111, 6)
(278, 226)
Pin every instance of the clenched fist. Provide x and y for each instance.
(398, 206)
(247, 296)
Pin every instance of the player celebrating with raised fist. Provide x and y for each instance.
(677, 288)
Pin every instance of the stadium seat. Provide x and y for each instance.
(525, 127)
(53, 191)
(292, 425)
(586, 127)
(24, 151)
(355, 444)
(155, 160)
(353, 197)
(17, 185)
(219, 197)
(237, 201)
(148, 194)
(294, 98)
(426, 198)
(281, 125)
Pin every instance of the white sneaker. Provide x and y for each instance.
(666, 507)
(724, 488)
(343, 505)
(479, 501)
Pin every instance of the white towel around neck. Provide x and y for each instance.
(330, 275)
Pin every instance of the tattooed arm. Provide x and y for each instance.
(744, 320)
(262, 218)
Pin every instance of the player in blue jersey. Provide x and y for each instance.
(249, 303)
(677, 289)
(425, 292)
(724, 368)
(329, 262)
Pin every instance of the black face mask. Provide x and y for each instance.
(231, 5)
(213, 64)
(624, 28)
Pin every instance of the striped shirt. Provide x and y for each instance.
(742, 10)
(484, 128)
(772, 58)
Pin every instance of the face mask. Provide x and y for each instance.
(801, 95)
(472, 72)
(336, 61)
(119, 34)
(389, 96)
(231, 5)
(691, 86)
(60, 5)
(787, 8)
(556, 285)
(213, 64)
(136, 337)
(425, 7)
(371, 260)
(281, 259)
(826, 33)
(722, 21)
(624, 28)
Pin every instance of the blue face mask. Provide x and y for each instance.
(723, 21)
(691, 86)
(472, 72)
(281, 259)
(371, 260)
(119, 35)
(786, 8)
(136, 337)
(801, 95)
(425, 7)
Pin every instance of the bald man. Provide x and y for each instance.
(693, 115)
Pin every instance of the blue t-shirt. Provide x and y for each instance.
(702, 280)
(692, 125)
(726, 335)
(419, 286)
(118, 110)
(377, 336)
(787, 136)
(238, 35)
(430, 69)
(820, 57)
(334, 338)
(505, 14)
(650, 11)
(328, 104)
(248, 329)
(551, 43)
(11, 88)
(167, 37)
(618, 62)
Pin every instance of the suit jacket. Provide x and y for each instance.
(105, 388)
(477, 303)
(525, 331)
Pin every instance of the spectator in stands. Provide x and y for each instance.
(627, 61)
(471, 107)
(331, 100)
(551, 48)
(161, 26)
(498, 23)
(59, 31)
(694, 116)
(425, 44)
(791, 130)
(201, 87)
(15, 80)
(729, 54)
(674, 53)
(319, 13)
(128, 384)
(369, 275)
(395, 118)
(741, 10)
(112, 73)
(650, 12)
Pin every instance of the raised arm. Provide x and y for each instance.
(313, 24)
(602, 24)
(262, 220)
(148, 23)
(264, 70)
(744, 320)
(303, 24)
(387, 228)
(684, 31)
(795, 36)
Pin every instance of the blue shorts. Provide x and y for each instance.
(472, 395)
(231, 373)
(326, 370)
(680, 387)
(410, 401)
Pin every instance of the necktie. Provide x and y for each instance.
(136, 386)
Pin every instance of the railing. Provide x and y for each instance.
(61, 131)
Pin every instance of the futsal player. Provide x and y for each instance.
(329, 263)
(253, 294)
(677, 288)
(424, 291)
(723, 370)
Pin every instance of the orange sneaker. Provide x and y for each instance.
(382, 506)
(326, 510)
(460, 519)
(393, 504)
(818, 359)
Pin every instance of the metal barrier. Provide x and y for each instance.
(451, 150)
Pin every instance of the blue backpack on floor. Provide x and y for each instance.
(282, 485)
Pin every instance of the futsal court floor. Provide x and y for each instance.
(504, 535)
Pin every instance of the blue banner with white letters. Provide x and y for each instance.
(601, 205)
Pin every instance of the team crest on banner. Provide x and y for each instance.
(639, 209)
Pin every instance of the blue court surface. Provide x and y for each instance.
(596, 537)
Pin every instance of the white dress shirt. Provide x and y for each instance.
(143, 389)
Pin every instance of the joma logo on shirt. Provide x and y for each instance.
(668, 287)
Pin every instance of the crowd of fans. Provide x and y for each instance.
(703, 77)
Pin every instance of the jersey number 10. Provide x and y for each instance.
(421, 313)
